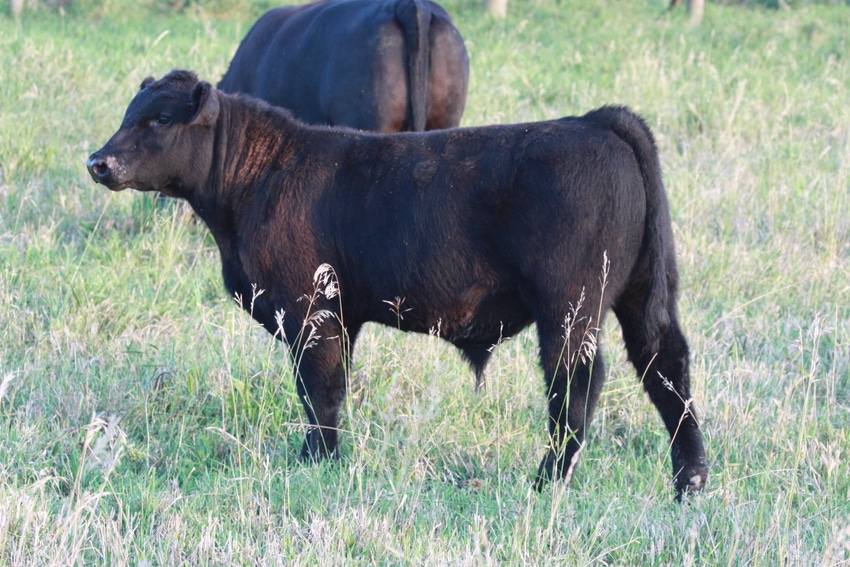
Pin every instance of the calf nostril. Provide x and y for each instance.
(98, 167)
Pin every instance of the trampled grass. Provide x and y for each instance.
(145, 420)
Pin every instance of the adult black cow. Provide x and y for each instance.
(479, 231)
(381, 65)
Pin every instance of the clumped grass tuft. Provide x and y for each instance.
(145, 420)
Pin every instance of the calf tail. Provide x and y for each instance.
(415, 19)
(658, 246)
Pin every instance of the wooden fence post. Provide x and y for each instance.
(498, 8)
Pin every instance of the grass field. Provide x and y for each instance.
(145, 420)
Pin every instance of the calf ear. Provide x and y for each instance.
(146, 82)
(205, 102)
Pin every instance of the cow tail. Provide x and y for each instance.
(415, 18)
(658, 238)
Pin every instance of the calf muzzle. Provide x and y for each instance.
(102, 170)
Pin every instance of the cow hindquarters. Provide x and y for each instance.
(448, 80)
(666, 379)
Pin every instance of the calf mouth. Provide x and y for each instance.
(116, 187)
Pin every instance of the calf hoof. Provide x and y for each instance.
(690, 479)
(544, 472)
(317, 448)
(554, 468)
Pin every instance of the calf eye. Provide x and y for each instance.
(163, 120)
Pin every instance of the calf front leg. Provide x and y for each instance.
(574, 383)
(321, 395)
(321, 384)
(320, 359)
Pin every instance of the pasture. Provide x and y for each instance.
(145, 420)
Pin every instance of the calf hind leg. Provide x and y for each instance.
(666, 379)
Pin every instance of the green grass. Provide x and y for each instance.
(145, 420)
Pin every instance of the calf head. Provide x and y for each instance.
(165, 141)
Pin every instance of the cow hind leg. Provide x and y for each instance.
(666, 379)
(574, 377)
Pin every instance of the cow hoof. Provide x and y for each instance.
(688, 482)
(305, 456)
(544, 472)
(315, 449)
(540, 482)
(553, 468)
